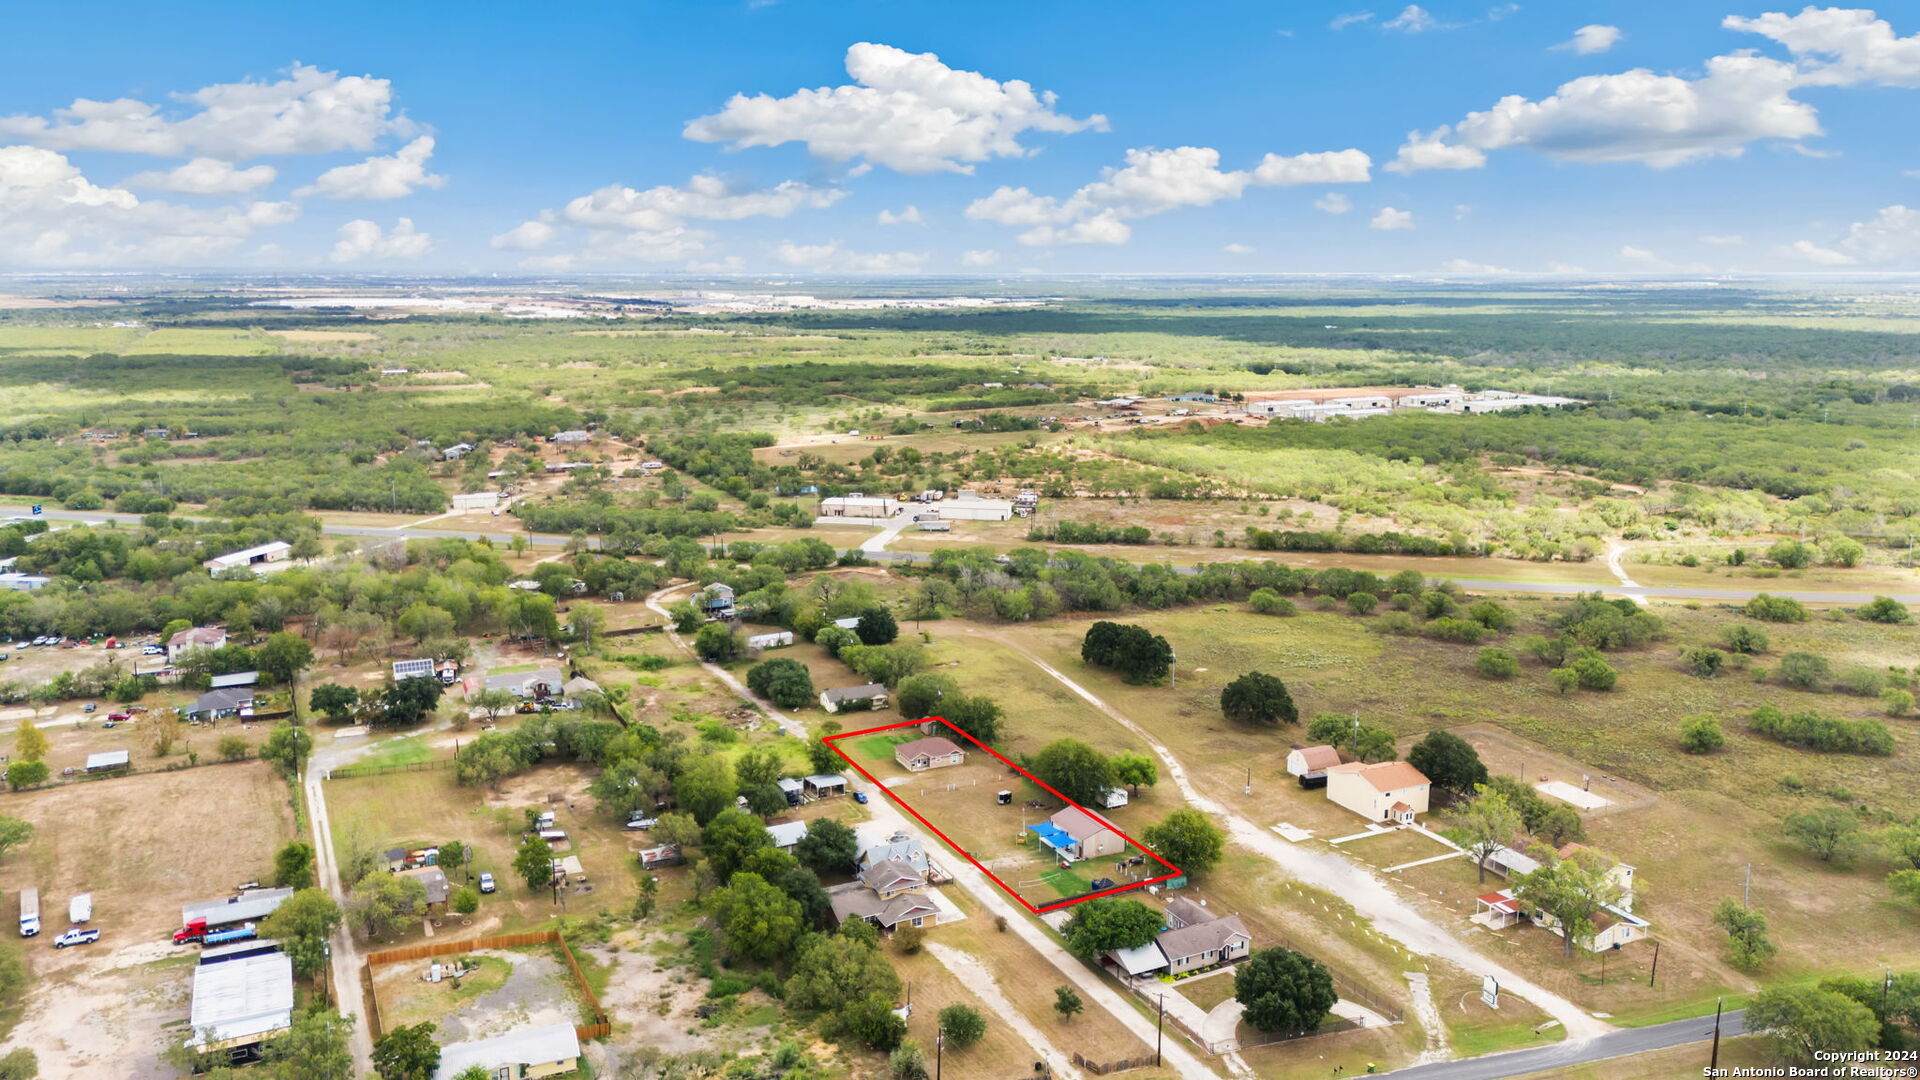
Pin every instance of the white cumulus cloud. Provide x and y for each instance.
(1664, 120)
(1840, 47)
(362, 241)
(907, 111)
(621, 224)
(526, 236)
(1333, 203)
(1723, 240)
(1809, 252)
(391, 176)
(1154, 182)
(205, 176)
(1591, 39)
(51, 215)
(908, 216)
(1391, 220)
(309, 112)
(704, 197)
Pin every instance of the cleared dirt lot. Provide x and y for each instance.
(511, 988)
(143, 845)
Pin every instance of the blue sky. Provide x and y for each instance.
(1065, 137)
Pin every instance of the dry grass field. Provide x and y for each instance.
(419, 808)
(142, 846)
(1691, 824)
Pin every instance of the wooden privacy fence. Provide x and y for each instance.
(600, 1028)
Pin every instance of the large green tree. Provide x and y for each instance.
(1106, 922)
(283, 656)
(1258, 698)
(1075, 770)
(730, 838)
(1490, 823)
(758, 921)
(783, 681)
(293, 865)
(1284, 991)
(1449, 761)
(1802, 1022)
(407, 1052)
(835, 970)
(828, 848)
(383, 904)
(534, 863)
(336, 702)
(304, 923)
(705, 787)
(1188, 839)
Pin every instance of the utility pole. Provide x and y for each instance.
(939, 1051)
(1656, 964)
(1746, 900)
(1159, 1031)
(1713, 1061)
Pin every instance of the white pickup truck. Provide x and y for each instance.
(76, 936)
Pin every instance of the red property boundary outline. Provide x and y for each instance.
(1172, 870)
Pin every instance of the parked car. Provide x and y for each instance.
(118, 716)
(152, 650)
(88, 707)
(860, 796)
(642, 823)
(76, 936)
(486, 882)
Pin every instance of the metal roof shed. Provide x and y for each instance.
(241, 1001)
(108, 759)
(248, 906)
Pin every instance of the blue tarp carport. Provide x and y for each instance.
(1051, 835)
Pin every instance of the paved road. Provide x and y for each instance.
(1579, 1052)
(1550, 588)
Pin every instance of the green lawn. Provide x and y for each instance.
(880, 747)
(407, 750)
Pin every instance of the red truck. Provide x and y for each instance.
(197, 931)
